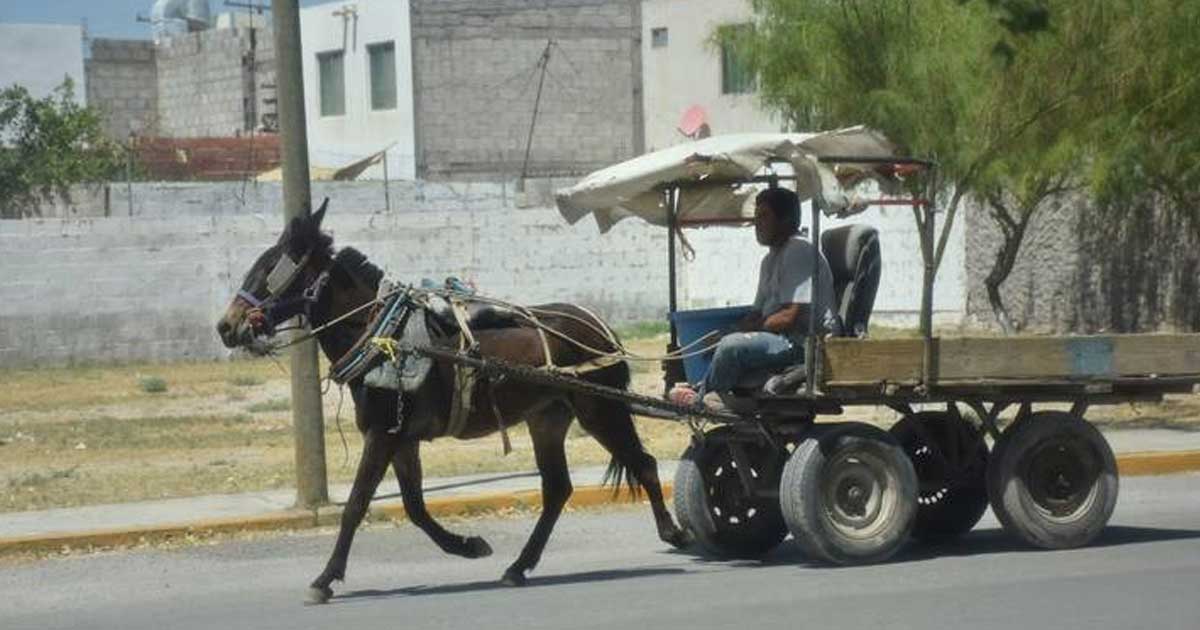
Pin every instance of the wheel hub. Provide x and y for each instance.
(1061, 477)
(729, 504)
(854, 495)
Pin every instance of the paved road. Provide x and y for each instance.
(606, 570)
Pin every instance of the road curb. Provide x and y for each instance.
(1129, 464)
(131, 536)
(1157, 463)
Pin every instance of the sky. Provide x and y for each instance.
(105, 18)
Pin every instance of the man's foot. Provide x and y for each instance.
(685, 396)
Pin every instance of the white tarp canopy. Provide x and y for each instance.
(711, 175)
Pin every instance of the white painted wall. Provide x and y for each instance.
(336, 141)
(157, 280)
(725, 269)
(39, 56)
(687, 71)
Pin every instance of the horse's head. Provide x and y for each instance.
(273, 289)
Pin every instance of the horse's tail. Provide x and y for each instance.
(617, 472)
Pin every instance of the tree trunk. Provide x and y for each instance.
(1006, 259)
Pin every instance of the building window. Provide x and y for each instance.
(736, 76)
(658, 37)
(383, 75)
(330, 65)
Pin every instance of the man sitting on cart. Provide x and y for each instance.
(772, 336)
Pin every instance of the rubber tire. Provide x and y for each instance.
(692, 506)
(1015, 505)
(807, 510)
(958, 504)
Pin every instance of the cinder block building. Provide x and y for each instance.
(478, 89)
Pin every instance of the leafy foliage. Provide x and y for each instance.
(46, 146)
(1001, 93)
(1146, 124)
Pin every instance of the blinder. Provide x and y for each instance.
(273, 310)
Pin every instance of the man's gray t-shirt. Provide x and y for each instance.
(785, 277)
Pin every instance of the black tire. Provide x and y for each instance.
(849, 496)
(711, 502)
(950, 459)
(1052, 481)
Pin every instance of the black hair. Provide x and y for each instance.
(784, 203)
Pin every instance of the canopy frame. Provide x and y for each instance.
(814, 344)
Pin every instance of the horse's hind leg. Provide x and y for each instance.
(548, 431)
(407, 464)
(377, 453)
(612, 425)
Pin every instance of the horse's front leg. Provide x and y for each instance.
(378, 447)
(407, 464)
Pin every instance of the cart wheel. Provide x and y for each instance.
(849, 496)
(711, 499)
(1052, 480)
(950, 458)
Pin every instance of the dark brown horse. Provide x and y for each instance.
(303, 262)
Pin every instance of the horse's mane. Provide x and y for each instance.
(356, 264)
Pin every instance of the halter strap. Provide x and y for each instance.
(249, 298)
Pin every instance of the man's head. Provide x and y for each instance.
(776, 215)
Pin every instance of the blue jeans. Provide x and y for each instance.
(739, 353)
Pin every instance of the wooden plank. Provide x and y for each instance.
(1007, 359)
(1160, 355)
(872, 360)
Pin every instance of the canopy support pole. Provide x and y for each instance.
(928, 355)
(672, 369)
(811, 346)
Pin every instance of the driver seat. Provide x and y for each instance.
(856, 265)
(854, 259)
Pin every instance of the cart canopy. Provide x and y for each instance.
(712, 176)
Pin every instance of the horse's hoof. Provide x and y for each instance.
(514, 577)
(478, 548)
(680, 539)
(318, 595)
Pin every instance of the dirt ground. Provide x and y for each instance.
(89, 435)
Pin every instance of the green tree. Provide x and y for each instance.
(1147, 125)
(991, 97)
(48, 145)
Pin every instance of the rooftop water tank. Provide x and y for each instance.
(172, 17)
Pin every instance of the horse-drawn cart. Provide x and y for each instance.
(851, 492)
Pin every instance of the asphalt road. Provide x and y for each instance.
(607, 570)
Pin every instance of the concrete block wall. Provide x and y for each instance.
(122, 82)
(1082, 270)
(150, 285)
(1139, 269)
(1041, 292)
(476, 77)
(202, 83)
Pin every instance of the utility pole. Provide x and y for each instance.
(312, 488)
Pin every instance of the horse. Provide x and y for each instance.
(302, 272)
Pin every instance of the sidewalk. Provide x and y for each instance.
(1138, 451)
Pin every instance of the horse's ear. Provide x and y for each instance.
(318, 216)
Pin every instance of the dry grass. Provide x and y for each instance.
(88, 435)
(95, 434)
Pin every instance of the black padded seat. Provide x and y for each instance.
(854, 259)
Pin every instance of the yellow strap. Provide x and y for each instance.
(386, 345)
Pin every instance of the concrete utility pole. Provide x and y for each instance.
(312, 488)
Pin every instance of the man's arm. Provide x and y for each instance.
(786, 319)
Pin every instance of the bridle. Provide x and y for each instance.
(266, 313)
